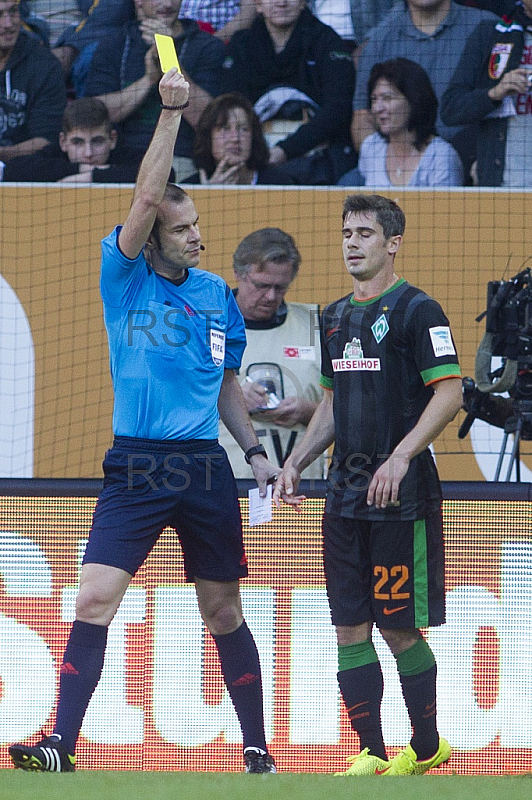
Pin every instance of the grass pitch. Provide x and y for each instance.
(95, 785)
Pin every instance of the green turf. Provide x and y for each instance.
(92, 785)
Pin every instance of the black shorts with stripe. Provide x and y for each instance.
(391, 572)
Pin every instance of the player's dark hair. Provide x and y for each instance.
(86, 112)
(216, 115)
(263, 246)
(411, 80)
(388, 214)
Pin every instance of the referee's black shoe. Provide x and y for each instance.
(258, 761)
(48, 755)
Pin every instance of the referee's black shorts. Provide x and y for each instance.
(188, 486)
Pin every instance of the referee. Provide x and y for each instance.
(175, 338)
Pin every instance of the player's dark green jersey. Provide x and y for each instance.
(379, 357)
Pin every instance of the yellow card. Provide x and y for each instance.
(167, 53)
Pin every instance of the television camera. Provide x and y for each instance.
(508, 335)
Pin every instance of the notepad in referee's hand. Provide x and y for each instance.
(260, 508)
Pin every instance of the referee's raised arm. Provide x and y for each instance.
(156, 165)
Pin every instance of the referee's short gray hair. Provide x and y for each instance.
(263, 246)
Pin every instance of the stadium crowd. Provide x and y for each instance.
(307, 73)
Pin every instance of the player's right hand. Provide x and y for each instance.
(285, 487)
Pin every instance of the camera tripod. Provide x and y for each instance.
(520, 424)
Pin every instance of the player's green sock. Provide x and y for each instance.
(361, 685)
(417, 673)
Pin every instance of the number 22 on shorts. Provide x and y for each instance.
(390, 582)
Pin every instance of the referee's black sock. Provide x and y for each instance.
(417, 673)
(361, 684)
(239, 660)
(79, 675)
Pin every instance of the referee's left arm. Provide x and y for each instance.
(234, 415)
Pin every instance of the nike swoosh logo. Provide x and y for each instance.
(389, 611)
(381, 771)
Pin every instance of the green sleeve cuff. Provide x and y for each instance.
(440, 373)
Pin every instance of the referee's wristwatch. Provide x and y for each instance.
(256, 450)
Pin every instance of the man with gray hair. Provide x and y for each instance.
(280, 371)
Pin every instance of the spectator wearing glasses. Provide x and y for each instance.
(230, 148)
(280, 370)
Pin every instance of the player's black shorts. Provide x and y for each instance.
(188, 486)
(391, 572)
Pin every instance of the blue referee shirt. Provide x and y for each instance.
(169, 346)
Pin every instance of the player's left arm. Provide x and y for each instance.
(234, 415)
(441, 409)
